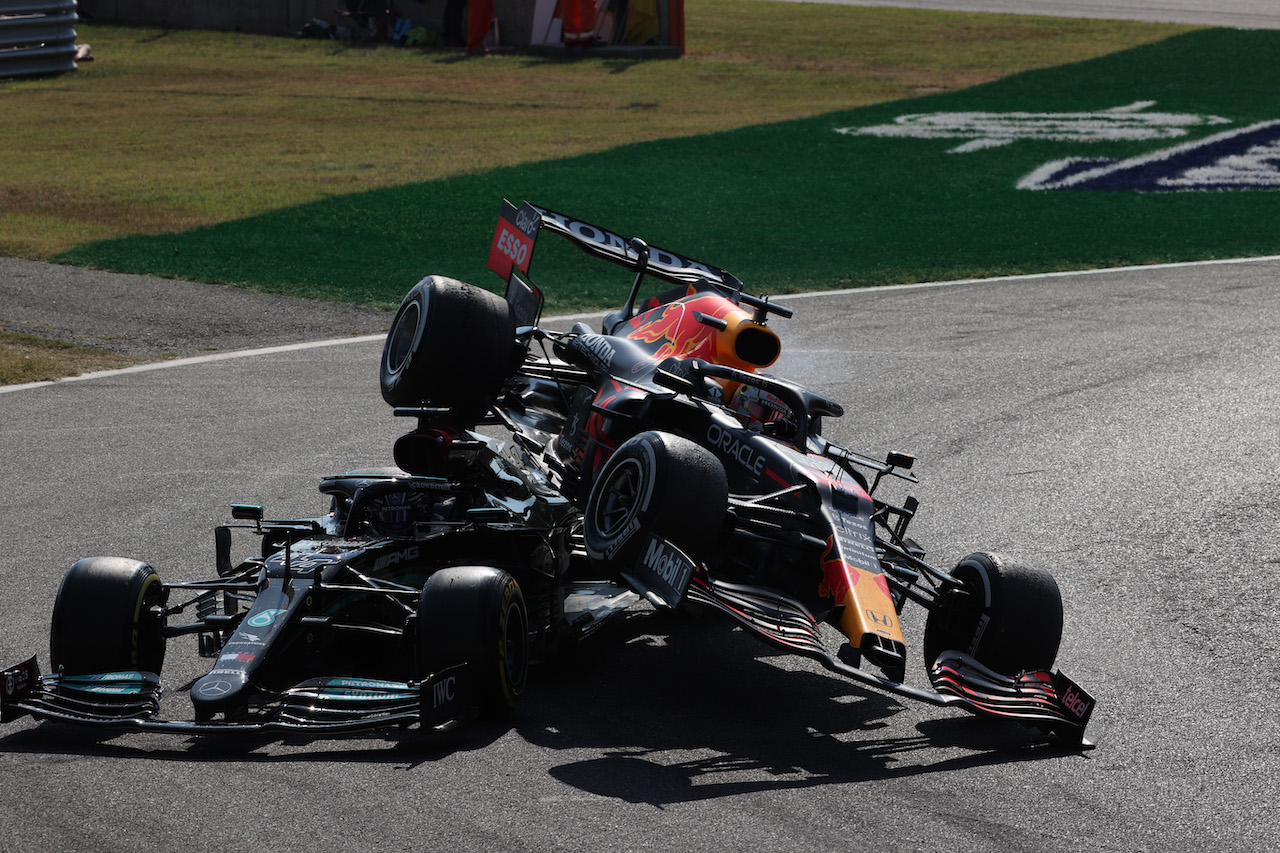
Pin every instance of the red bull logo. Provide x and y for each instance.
(672, 330)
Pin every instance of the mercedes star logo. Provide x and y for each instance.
(215, 688)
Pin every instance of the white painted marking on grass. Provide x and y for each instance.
(1126, 123)
(789, 297)
(1246, 158)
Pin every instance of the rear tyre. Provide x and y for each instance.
(660, 483)
(1009, 616)
(476, 615)
(108, 618)
(450, 345)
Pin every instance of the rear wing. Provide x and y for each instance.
(518, 230)
(662, 263)
(511, 254)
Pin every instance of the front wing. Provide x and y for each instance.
(131, 701)
(1049, 701)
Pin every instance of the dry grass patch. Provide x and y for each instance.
(26, 358)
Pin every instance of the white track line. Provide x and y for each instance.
(789, 297)
(198, 359)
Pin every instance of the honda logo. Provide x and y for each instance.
(880, 619)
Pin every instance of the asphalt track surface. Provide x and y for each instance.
(148, 318)
(1118, 428)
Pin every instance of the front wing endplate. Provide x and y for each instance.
(1050, 700)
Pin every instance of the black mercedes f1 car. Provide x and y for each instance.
(553, 479)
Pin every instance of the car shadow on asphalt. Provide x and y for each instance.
(683, 711)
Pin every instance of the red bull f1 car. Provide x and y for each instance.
(552, 480)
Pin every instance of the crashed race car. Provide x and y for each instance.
(551, 481)
(400, 606)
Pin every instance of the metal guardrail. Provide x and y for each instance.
(37, 37)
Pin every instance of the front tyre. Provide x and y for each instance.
(476, 615)
(1008, 616)
(659, 483)
(108, 617)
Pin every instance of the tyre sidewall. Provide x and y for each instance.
(637, 457)
(403, 343)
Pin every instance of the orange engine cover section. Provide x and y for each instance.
(673, 329)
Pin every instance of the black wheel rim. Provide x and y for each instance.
(619, 498)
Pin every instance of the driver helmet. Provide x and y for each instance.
(761, 410)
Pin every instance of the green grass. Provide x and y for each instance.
(787, 205)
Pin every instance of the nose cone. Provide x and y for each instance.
(219, 691)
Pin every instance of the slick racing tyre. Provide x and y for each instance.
(450, 345)
(476, 615)
(108, 618)
(1009, 616)
(660, 483)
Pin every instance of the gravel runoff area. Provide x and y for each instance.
(147, 317)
